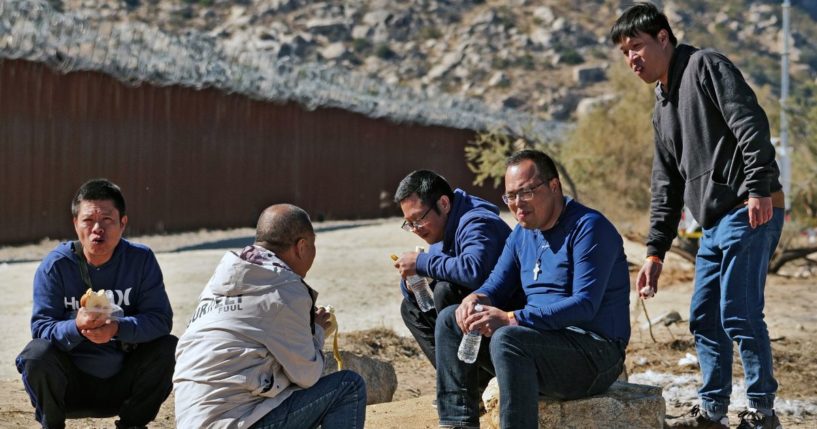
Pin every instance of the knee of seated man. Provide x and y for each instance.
(38, 351)
(447, 293)
(504, 342)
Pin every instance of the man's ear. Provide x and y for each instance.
(124, 221)
(663, 37)
(555, 184)
(444, 204)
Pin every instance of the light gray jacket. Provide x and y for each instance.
(248, 346)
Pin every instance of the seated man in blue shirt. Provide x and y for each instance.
(82, 364)
(568, 339)
(466, 236)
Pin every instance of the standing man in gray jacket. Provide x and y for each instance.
(712, 153)
(251, 356)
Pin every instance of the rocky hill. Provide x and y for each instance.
(539, 56)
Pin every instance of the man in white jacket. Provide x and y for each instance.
(251, 355)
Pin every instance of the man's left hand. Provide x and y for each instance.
(102, 334)
(407, 264)
(488, 320)
(760, 211)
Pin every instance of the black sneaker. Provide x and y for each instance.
(694, 418)
(752, 419)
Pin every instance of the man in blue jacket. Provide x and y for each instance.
(81, 363)
(568, 338)
(713, 154)
(466, 236)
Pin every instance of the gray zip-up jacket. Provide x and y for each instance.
(249, 345)
(712, 145)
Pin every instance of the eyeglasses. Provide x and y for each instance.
(522, 194)
(417, 224)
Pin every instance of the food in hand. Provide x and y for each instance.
(333, 322)
(95, 301)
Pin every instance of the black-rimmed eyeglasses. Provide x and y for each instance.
(525, 194)
(417, 224)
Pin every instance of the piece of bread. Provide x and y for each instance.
(95, 301)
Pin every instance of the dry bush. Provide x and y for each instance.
(610, 151)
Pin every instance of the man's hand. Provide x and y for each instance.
(760, 211)
(407, 264)
(322, 318)
(487, 321)
(103, 333)
(647, 281)
(87, 320)
(467, 308)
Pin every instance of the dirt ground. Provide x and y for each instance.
(353, 273)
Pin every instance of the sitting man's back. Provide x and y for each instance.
(251, 355)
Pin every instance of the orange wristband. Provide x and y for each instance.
(512, 319)
(655, 259)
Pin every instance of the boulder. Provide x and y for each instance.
(381, 380)
(584, 75)
(623, 405)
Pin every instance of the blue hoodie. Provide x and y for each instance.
(582, 280)
(472, 242)
(134, 276)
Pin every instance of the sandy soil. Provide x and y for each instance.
(353, 273)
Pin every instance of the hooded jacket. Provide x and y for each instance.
(134, 276)
(712, 145)
(473, 240)
(249, 345)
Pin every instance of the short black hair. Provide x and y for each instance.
(545, 166)
(641, 18)
(428, 185)
(281, 226)
(99, 190)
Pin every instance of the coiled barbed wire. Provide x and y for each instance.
(134, 52)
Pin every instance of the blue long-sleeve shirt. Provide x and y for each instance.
(134, 276)
(472, 242)
(582, 278)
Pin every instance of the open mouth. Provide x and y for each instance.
(97, 240)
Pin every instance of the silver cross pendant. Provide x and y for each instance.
(536, 271)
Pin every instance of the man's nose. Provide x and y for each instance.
(631, 55)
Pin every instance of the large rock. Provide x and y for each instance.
(381, 380)
(623, 406)
(585, 75)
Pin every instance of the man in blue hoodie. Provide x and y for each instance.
(567, 340)
(466, 236)
(82, 363)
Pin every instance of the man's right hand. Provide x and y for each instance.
(466, 309)
(647, 281)
(89, 320)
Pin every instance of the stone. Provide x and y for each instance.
(544, 14)
(623, 406)
(334, 29)
(380, 377)
(587, 105)
(585, 75)
(334, 51)
(499, 79)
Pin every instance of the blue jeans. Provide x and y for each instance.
(727, 306)
(337, 400)
(559, 364)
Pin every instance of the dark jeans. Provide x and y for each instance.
(59, 390)
(336, 401)
(559, 364)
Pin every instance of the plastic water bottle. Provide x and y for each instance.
(422, 292)
(419, 286)
(469, 346)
